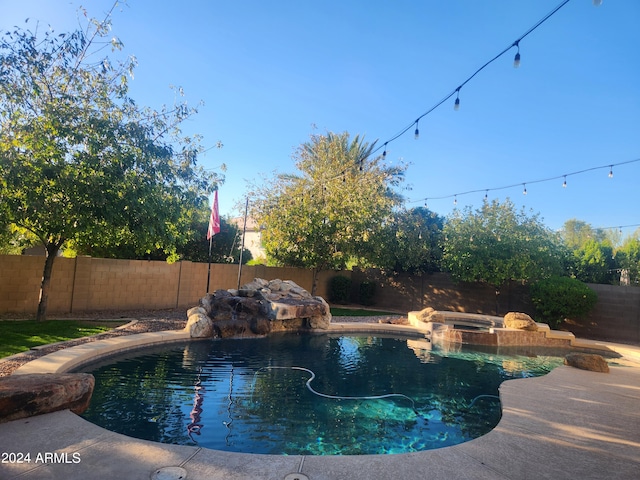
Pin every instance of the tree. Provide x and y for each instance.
(411, 242)
(575, 233)
(79, 160)
(595, 262)
(628, 257)
(325, 217)
(225, 246)
(495, 244)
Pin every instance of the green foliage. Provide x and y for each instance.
(80, 162)
(496, 244)
(13, 240)
(576, 233)
(557, 298)
(595, 262)
(339, 289)
(628, 258)
(411, 242)
(225, 246)
(327, 216)
(367, 293)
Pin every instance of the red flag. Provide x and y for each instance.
(214, 220)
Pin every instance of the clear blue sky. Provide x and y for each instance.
(269, 71)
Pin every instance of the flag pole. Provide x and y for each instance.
(244, 231)
(209, 268)
(214, 227)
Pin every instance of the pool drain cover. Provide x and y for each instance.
(169, 473)
(296, 476)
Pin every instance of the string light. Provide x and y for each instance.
(516, 59)
(456, 92)
(524, 184)
(455, 200)
(417, 132)
(564, 183)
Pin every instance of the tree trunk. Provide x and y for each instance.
(314, 285)
(51, 251)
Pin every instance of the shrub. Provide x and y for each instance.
(557, 298)
(339, 289)
(367, 292)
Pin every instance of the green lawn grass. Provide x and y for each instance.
(358, 312)
(20, 335)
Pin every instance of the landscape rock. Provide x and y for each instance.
(23, 396)
(587, 361)
(199, 325)
(429, 314)
(521, 321)
(258, 308)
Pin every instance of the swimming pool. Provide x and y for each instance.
(243, 395)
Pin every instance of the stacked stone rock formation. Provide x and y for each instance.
(257, 308)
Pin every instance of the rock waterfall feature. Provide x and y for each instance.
(258, 308)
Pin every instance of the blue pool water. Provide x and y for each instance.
(242, 395)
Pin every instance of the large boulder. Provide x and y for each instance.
(521, 321)
(199, 325)
(34, 394)
(587, 361)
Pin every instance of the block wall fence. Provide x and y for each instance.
(92, 284)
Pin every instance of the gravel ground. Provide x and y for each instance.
(139, 321)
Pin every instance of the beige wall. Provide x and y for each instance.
(86, 283)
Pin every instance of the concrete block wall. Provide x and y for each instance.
(616, 315)
(85, 283)
(20, 278)
(406, 292)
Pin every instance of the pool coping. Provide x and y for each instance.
(569, 423)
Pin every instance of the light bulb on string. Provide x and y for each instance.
(486, 195)
(456, 105)
(564, 183)
(524, 192)
(417, 132)
(610, 171)
(455, 199)
(516, 59)
(384, 152)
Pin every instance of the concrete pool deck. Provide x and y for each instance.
(567, 424)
